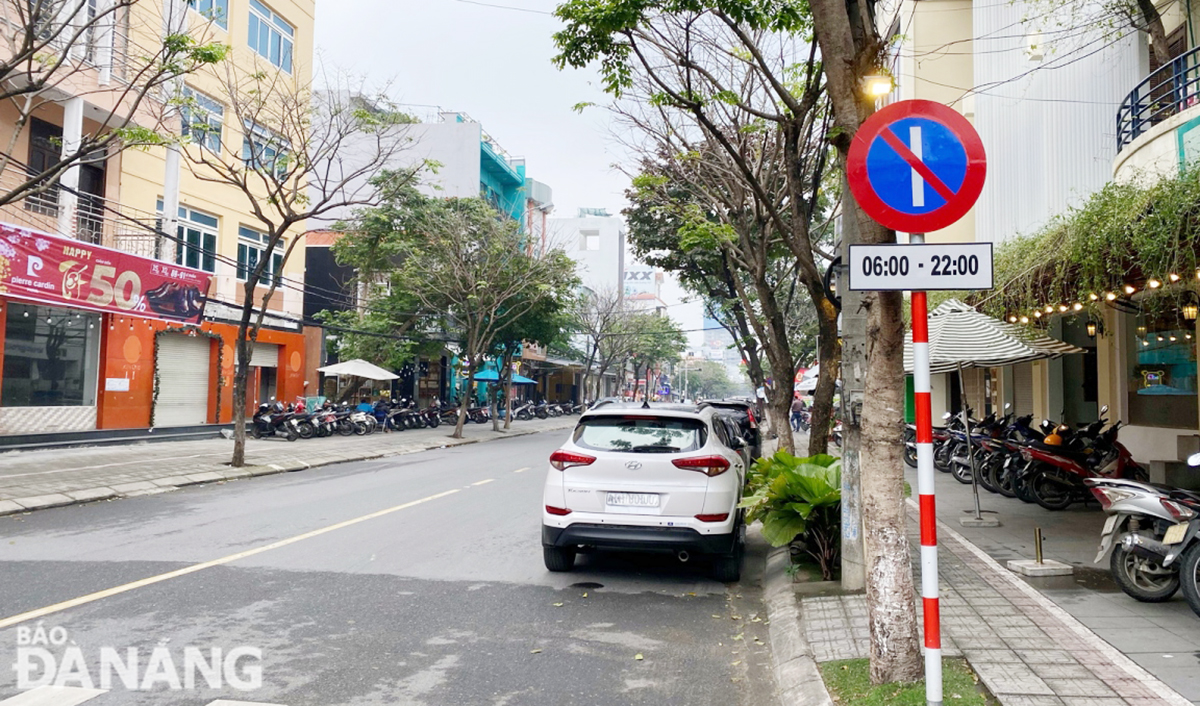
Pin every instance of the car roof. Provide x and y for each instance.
(656, 409)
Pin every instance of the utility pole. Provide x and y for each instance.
(854, 372)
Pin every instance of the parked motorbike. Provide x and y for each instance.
(1152, 532)
(274, 420)
(524, 412)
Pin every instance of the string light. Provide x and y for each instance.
(1024, 319)
(1173, 277)
(1173, 339)
(1038, 314)
(1093, 296)
(1012, 319)
(1077, 306)
(1049, 308)
(1111, 296)
(1130, 289)
(1154, 284)
(1062, 307)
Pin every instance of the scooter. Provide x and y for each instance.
(274, 420)
(1152, 532)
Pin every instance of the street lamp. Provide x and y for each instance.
(877, 85)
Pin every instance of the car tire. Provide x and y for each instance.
(559, 558)
(728, 568)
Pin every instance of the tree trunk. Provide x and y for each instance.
(464, 402)
(829, 356)
(895, 644)
(783, 366)
(508, 400)
(1158, 33)
(240, 374)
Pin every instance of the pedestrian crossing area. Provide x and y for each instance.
(74, 696)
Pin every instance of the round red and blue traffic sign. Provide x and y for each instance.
(916, 166)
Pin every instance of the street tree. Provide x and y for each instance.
(652, 340)
(471, 267)
(116, 54)
(852, 48)
(303, 155)
(703, 378)
(597, 314)
(730, 96)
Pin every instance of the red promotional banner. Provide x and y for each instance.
(50, 269)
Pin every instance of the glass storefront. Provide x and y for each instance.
(50, 357)
(1161, 371)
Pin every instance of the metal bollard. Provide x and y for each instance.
(1037, 543)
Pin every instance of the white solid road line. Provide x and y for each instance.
(53, 696)
(73, 696)
(116, 590)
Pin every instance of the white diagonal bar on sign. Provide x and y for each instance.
(918, 184)
(53, 696)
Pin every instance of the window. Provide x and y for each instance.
(271, 36)
(251, 247)
(590, 240)
(49, 357)
(215, 10)
(197, 244)
(263, 149)
(641, 434)
(1161, 370)
(203, 118)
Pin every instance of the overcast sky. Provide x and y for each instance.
(493, 64)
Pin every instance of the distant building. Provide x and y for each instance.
(595, 240)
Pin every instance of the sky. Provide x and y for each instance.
(495, 65)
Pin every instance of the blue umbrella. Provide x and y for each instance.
(493, 376)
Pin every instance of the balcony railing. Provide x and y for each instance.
(1168, 91)
(97, 220)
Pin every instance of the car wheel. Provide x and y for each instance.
(727, 568)
(559, 558)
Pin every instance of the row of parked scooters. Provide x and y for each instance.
(1152, 535)
(291, 423)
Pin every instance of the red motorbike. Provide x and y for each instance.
(1054, 474)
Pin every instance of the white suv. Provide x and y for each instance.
(660, 478)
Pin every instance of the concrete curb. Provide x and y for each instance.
(796, 674)
(17, 506)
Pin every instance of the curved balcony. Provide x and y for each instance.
(1166, 92)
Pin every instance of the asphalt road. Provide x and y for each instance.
(413, 580)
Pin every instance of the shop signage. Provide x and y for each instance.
(50, 269)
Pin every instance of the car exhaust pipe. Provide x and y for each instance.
(683, 557)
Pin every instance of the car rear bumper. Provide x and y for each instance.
(632, 537)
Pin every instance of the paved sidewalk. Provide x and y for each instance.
(1025, 649)
(32, 480)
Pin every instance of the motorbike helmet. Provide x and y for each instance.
(1053, 439)
(277, 407)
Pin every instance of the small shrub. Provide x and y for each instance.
(798, 496)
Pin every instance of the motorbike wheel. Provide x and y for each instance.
(306, 430)
(1004, 482)
(987, 474)
(292, 435)
(1021, 488)
(360, 428)
(961, 472)
(323, 430)
(523, 415)
(1049, 493)
(941, 457)
(1189, 576)
(433, 422)
(255, 432)
(910, 454)
(1142, 579)
(345, 427)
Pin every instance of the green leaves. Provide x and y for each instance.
(785, 491)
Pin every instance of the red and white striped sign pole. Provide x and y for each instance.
(929, 558)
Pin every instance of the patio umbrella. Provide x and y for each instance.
(493, 376)
(960, 337)
(358, 368)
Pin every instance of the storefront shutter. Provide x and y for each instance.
(1023, 388)
(183, 380)
(264, 355)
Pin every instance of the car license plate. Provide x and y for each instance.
(1109, 525)
(631, 499)
(1175, 534)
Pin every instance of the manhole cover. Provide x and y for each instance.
(586, 584)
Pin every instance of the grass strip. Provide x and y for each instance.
(849, 682)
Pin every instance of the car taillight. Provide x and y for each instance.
(562, 460)
(708, 465)
(1108, 496)
(1179, 512)
(753, 421)
(713, 518)
(557, 510)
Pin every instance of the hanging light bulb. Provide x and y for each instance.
(1093, 296)
(1145, 343)
(1154, 284)
(1111, 296)
(1077, 306)
(1012, 319)
(1160, 338)
(26, 314)
(1092, 328)
(1024, 319)
(1130, 289)
(1173, 339)
(1038, 314)
(1173, 277)
(1049, 308)
(1062, 307)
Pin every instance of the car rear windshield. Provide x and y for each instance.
(640, 434)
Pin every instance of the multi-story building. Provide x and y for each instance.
(93, 364)
(1064, 109)
(595, 240)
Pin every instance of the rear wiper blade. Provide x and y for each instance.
(656, 448)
